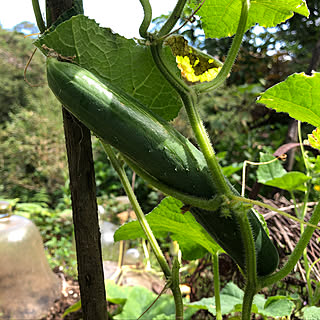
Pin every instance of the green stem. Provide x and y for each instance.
(147, 11)
(173, 19)
(249, 293)
(188, 97)
(296, 254)
(206, 147)
(306, 164)
(251, 264)
(38, 15)
(307, 267)
(303, 213)
(315, 294)
(182, 88)
(302, 149)
(310, 225)
(249, 248)
(264, 205)
(137, 209)
(232, 54)
(216, 282)
(298, 214)
(176, 289)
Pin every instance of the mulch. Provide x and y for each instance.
(286, 232)
(70, 294)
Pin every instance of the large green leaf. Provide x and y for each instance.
(139, 299)
(135, 300)
(273, 174)
(231, 298)
(278, 307)
(293, 180)
(123, 62)
(166, 218)
(220, 17)
(298, 95)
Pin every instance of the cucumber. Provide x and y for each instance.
(155, 150)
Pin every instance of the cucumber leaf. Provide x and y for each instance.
(268, 172)
(116, 60)
(278, 307)
(231, 297)
(166, 218)
(135, 300)
(220, 17)
(274, 175)
(298, 95)
(293, 180)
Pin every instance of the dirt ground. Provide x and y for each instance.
(70, 294)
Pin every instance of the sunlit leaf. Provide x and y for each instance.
(167, 218)
(298, 95)
(293, 180)
(220, 18)
(231, 297)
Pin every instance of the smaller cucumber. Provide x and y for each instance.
(152, 146)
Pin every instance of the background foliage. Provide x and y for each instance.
(32, 160)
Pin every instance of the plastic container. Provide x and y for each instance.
(28, 287)
(110, 249)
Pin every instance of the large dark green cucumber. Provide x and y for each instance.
(152, 144)
(144, 138)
